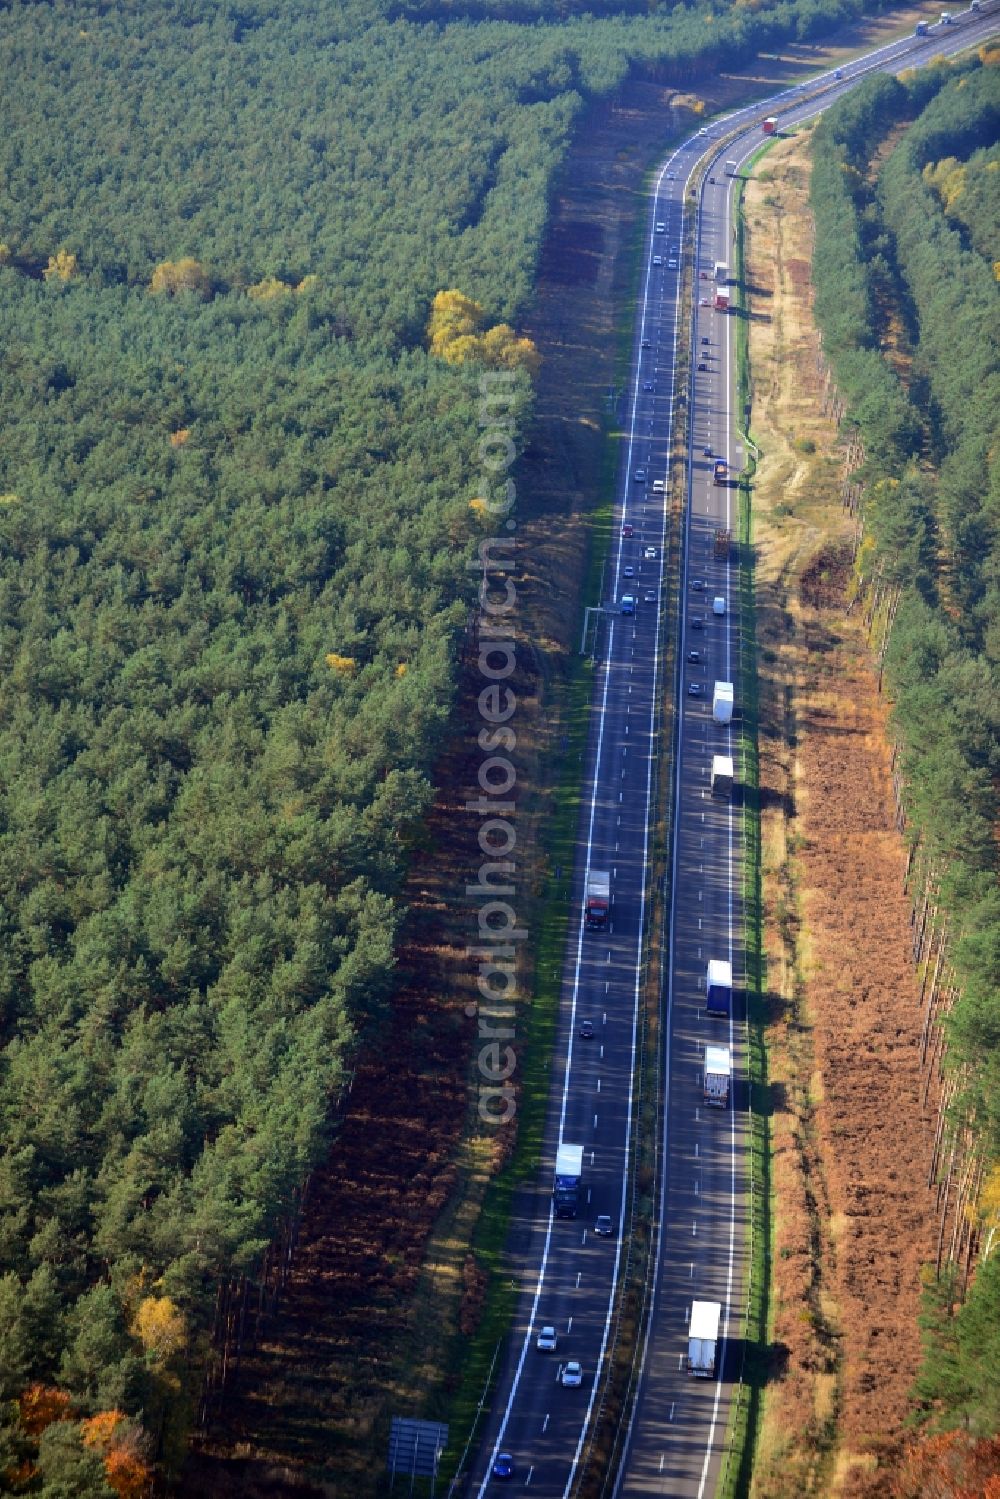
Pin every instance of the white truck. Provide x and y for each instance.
(719, 987)
(722, 702)
(703, 1337)
(718, 1074)
(722, 775)
(569, 1171)
(598, 899)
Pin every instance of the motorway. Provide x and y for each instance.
(675, 1443)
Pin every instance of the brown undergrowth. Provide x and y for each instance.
(852, 1213)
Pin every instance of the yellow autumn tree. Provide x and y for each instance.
(6, 254)
(268, 289)
(946, 178)
(503, 350)
(455, 334)
(161, 1328)
(61, 267)
(453, 316)
(172, 277)
(987, 1212)
(344, 666)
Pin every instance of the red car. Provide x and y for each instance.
(627, 529)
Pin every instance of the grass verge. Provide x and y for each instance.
(745, 1418)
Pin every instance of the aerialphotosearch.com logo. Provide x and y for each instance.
(498, 930)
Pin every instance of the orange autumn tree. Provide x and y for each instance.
(40, 1405)
(120, 1444)
(950, 1465)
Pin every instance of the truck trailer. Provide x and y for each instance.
(721, 300)
(718, 1073)
(598, 901)
(723, 543)
(721, 273)
(703, 1338)
(722, 702)
(722, 775)
(569, 1171)
(719, 987)
(770, 125)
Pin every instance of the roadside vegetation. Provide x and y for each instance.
(907, 297)
(238, 493)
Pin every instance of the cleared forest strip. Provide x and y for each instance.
(853, 1217)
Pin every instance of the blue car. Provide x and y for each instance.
(503, 1465)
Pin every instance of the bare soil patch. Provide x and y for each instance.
(851, 1142)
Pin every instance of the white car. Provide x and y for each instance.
(640, 476)
(718, 606)
(657, 259)
(546, 1342)
(650, 554)
(661, 228)
(572, 1374)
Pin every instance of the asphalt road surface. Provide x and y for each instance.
(676, 1443)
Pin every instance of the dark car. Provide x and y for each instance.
(646, 343)
(712, 181)
(694, 657)
(587, 1030)
(603, 1225)
(694, 689)
(647, 384)
(705, 342)
(702, 366)
(503, 1465)
(697, 623)
(706, 452)
(650, 596)
(698, 584)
